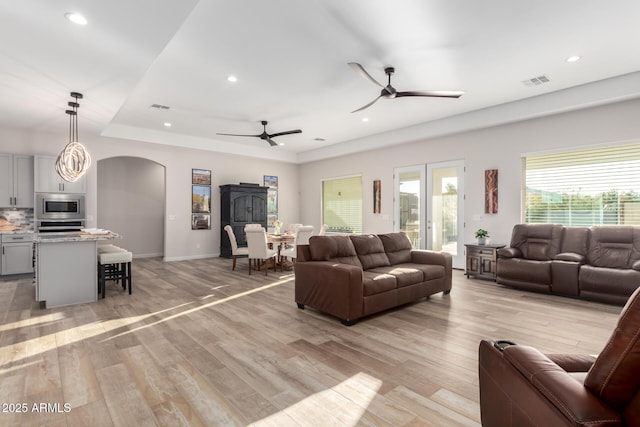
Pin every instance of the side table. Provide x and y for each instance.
(482, 260)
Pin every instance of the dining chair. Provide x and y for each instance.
(248, 226)
(259, 249)
(292, 228)
(235, 250)
(301, 238)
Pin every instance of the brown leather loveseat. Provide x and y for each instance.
(600, 263)
(520, 386)
(354, 276)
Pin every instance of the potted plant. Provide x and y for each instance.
(482, 235)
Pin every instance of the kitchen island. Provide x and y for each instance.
(67, 267)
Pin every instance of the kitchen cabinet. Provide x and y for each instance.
(16, 183)
(17, 253)
(240, 204)
(47, 179)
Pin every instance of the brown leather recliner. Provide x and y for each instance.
(527, 262)
(519, 386)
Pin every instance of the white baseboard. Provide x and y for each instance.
(186, 258)
(159, 254)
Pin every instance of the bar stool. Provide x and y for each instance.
(114, 263)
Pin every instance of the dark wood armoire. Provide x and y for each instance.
(240, 204)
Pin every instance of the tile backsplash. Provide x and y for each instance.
(19, 217)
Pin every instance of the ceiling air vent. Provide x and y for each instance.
(160, 107)
(536, 81)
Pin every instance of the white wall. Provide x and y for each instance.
(131, 193)
(180, 241)
(499, 147)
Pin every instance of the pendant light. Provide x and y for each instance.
(74, 160)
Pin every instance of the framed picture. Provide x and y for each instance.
(376, 196)
(200, 177)
(271, 181)
(200, 221)
(201, 199)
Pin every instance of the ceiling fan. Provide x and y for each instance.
(266, 136)
(390, 92)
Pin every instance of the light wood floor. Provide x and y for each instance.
(197, 344)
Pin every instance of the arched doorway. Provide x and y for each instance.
(131, 201)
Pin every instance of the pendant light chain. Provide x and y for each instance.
(74, 160)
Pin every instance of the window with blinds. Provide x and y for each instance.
(581, 188)
(342, 205)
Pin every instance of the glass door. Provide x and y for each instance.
(409, 203)
(445, 214)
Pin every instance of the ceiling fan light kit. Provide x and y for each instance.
(74, 160)
(264, 135)
(389, 92)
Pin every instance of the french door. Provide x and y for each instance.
(445, 209)
(410, 203)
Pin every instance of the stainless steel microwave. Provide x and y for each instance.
(59, 206)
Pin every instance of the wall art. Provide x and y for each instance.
(491, 191)
(377, 203)
(201, 199)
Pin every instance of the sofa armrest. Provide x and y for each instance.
(570, 256)
(573, 362)
(330, 287)
(509, 253)
(422, 256)
(568, 395)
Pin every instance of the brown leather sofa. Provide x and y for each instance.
(520, 386)
(354, 276)
(600, 263)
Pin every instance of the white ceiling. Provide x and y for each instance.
(290, 58)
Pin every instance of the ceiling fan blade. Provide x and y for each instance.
(367, 106)
(432, 93)
(289, 132)
(360, 69)
(271, 142)
(235, 134)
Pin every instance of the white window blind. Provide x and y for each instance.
(342, 205)
(581, 188)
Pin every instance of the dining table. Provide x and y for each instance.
(280, 240)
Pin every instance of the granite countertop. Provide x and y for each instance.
(17, 231)
(73, 237)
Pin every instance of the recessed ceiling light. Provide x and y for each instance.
(231, 78)
(573, 58)
(167, 124)
(282, 143)
(365, 119)
(76, 18)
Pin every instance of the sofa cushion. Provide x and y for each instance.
(615, 375)
(575, 240)
(429, 271)
(405, 275)
(370, 251)
(374, 283)
(612, 246)
(333, 248)
(539, 242)
(525, 270)
(608, 281)
(397, 246)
